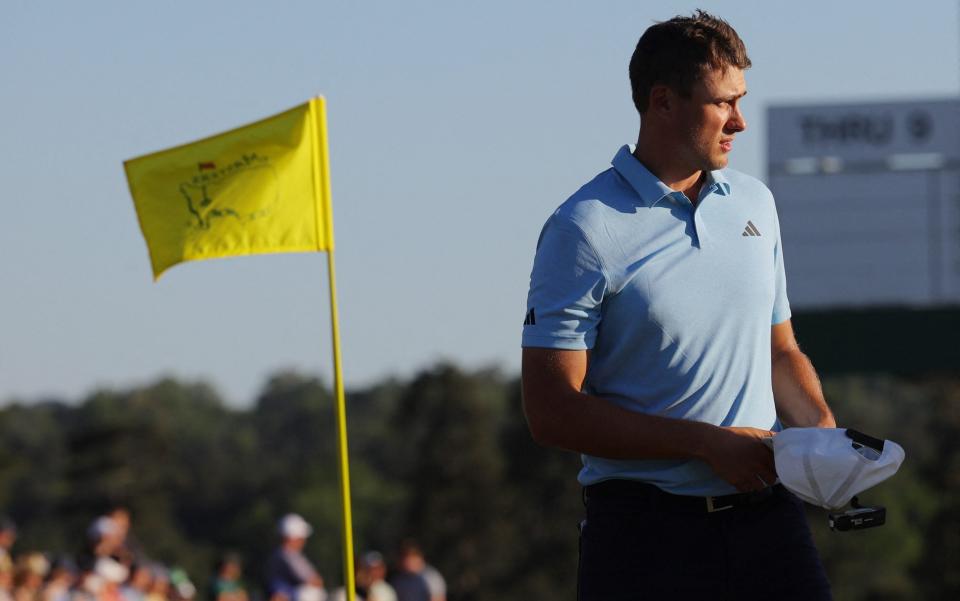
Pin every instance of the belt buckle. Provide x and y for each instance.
(712, 508)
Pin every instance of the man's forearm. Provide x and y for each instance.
(591, 425)
(560, 415)
(797, 392)
(588, 424)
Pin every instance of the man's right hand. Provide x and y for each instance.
(739, 456)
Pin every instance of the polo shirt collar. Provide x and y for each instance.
(718, 183)
(650, 189)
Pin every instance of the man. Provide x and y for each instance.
(105, 536)
(128, 549)
(369, 579)
(227, 582)
(408, 580)
(8, 536)
(290, 575)
(412, 560)
(140, 582)
(375, 574)
(658, 344)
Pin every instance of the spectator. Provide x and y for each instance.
(8, 536)
(127, 549)
(370, 585)
(112, 574)
(29, 572)
(139, 583)
(227, 585)
(105, 537)
(181, 587)
(6, 584)
(160, 588)
(375, 573)
(88, 584)
(408, 581)
(62, 579)
(435, 582)
(289, 572)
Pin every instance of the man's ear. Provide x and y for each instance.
(662, 100)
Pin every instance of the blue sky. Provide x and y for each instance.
(455, 129)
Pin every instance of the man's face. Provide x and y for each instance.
(295, 543)
(707, 121)
(121, 517)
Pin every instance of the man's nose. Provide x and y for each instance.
(737, 122)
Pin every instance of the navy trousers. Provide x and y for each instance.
(636, 546)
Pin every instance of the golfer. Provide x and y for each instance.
(657, 343)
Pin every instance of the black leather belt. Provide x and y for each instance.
(656, 498)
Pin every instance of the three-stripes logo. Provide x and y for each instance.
(530, 319)
(750, 230)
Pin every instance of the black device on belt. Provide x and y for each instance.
(660, 499)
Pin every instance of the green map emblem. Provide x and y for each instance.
(219, 190)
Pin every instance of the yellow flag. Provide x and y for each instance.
(260, 188)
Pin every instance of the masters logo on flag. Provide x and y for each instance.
(261, 188)
(207, 194)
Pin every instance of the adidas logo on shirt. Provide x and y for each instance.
(530, 319)
(750, 230)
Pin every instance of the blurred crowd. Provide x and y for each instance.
(115, 568)
(111, 568)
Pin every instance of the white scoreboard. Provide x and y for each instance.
(869, 202)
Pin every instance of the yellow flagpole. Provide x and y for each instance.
(348, 577)
(321, 178)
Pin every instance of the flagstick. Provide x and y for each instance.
(348, 576)
(321, 188)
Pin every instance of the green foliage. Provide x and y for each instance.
(449, 457)
(894, 562)
(444, 457)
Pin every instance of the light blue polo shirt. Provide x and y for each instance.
(675, 303)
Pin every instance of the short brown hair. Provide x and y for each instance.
(678, 52)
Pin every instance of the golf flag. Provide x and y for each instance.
(260, 188)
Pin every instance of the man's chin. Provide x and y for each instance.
(718, 163)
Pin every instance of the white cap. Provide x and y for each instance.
(829, 466)
(92, 583)
(111, 570)
(309, 592)
(101, 527)
(294, 526)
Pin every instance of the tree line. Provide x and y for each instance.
(443, 457)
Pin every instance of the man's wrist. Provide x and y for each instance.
(827, 422)
(704, 439)
(823, 420)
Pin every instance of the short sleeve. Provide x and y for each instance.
(567, 286)
(781, 306)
